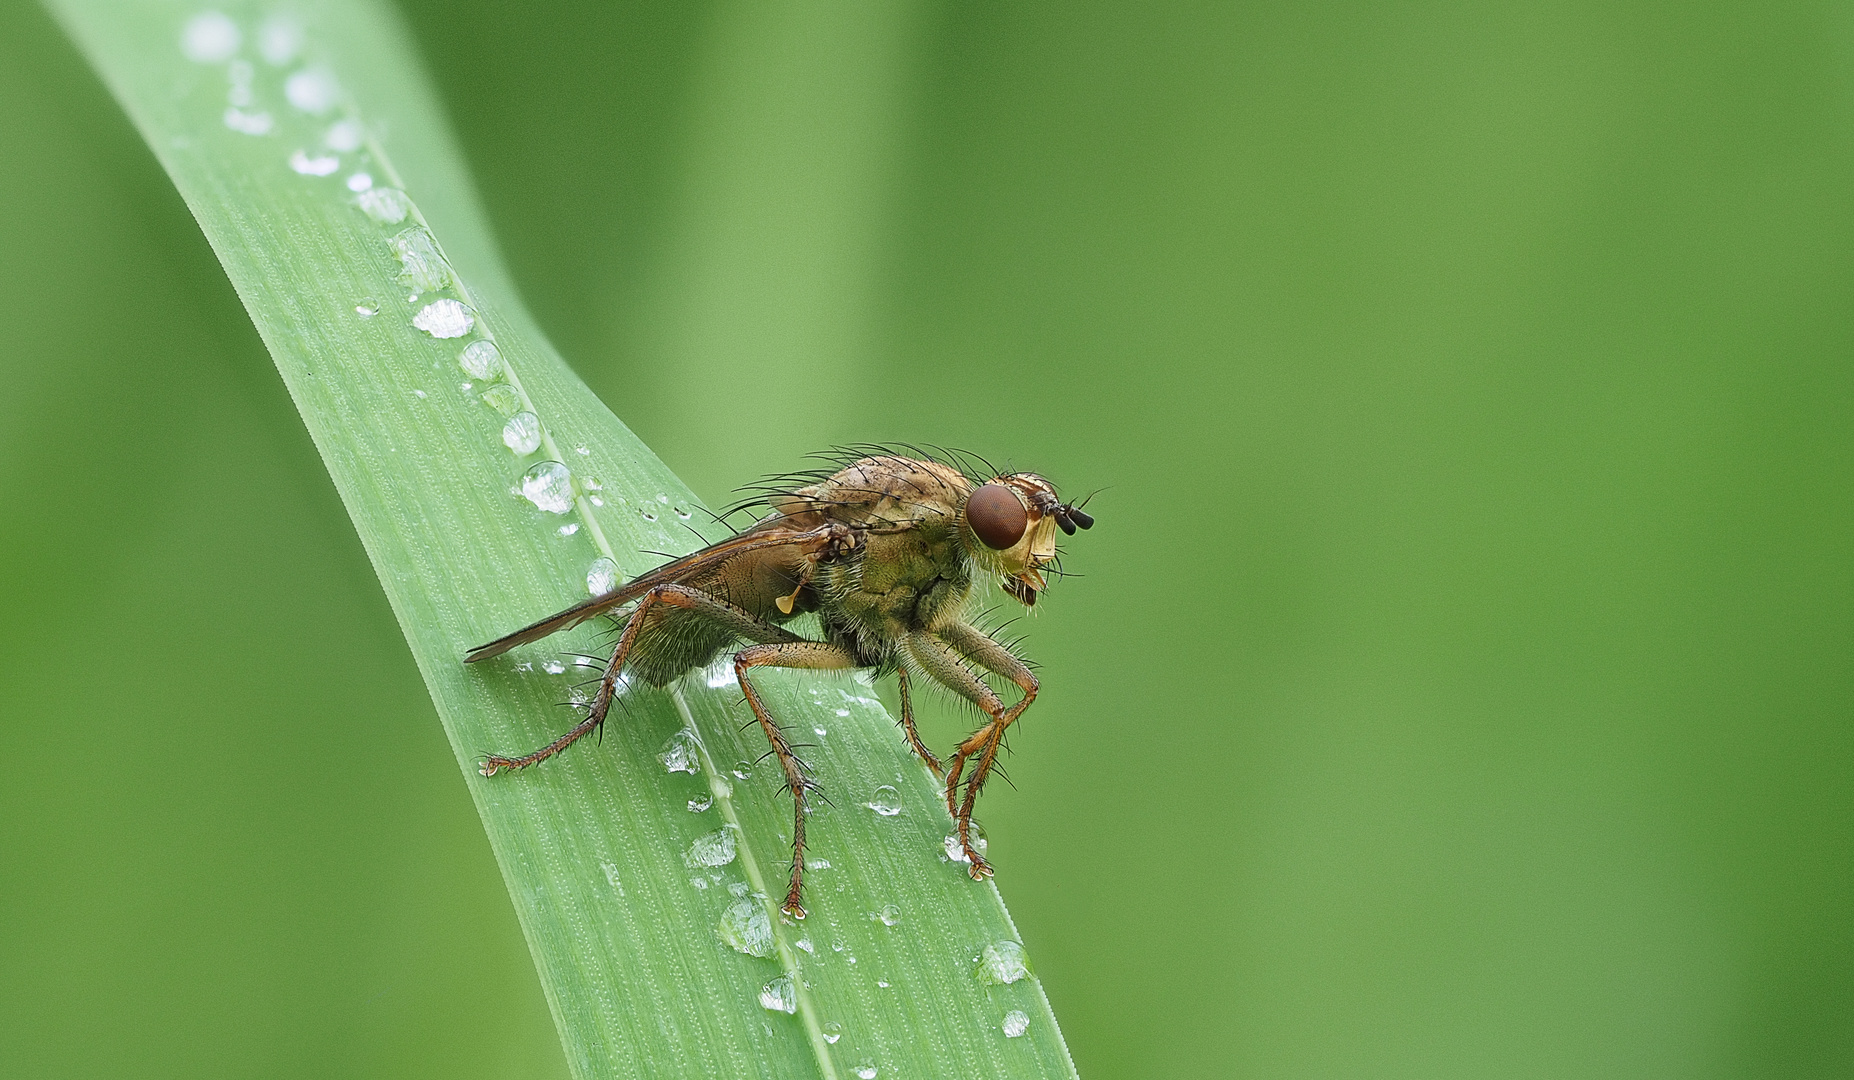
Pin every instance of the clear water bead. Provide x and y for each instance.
(344, 137)
(522, 433)
(682, 753)
(421, 266)
(503, 399)
(388, 206)
(956, 852)
(279, 40)
(747, 928)
(367, 308)
(312, 90)
(360, 181)
(248, 123)
(1016, 1022)
(885, 801)
(549, 486)
(779, 996)
(711, 849)
(1002, 963)
(481, 359)
(701, 803)
(319, 165)
(889, 915)
(210, 37)
(866, 1071)
(601, 576)
(445, 319)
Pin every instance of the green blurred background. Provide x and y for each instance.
(1460, 680)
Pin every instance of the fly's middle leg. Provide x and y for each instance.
(815, 655)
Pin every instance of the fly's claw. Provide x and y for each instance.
(980, 869)
(793, 908)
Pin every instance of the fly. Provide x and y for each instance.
(887, 551)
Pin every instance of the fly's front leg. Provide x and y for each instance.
(907, 724)
(815, 655)
(944, 656)
(736, 619)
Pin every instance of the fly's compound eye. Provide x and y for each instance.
(997, 516)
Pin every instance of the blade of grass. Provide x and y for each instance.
(267, 122)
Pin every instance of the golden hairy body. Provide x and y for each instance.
(886, 550)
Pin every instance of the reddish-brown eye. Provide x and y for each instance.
(997, 516)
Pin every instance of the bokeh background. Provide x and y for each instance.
(1461, 678)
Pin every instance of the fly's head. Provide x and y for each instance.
(1012, 523)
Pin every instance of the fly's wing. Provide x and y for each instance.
(681, 571)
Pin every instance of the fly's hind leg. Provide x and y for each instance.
(816, 655)
(736, 619)
(944, 655)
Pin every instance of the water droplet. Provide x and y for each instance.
(866, 1071)
(320, 165)
(312, 90)
(888, 916)
(805, 944)
(817, 864)
(611, 877)
(698, 883)
(885, 801)
(1002, 963)
(747, 928)
(445, 319)
(596, 501)
(255, 123)
(682, 753)
(738, 889)
(420, 394)
(554, 667)
(238, 73)
(279, 40)
(664, 499)
(503, 399)
(683, 514)
(779, 996)
(956, 852)
(1016, 1022)
(882, 984)
(210, 38)
(549, 486)
(522, 433)
(359, 181)
(601, 576)
(345, 137)
(422, 267)
(388, 206)
(481, 359)
(582, 451)
(646, 513)
(701, 803)
(843, 712)
(711, 849)
(568, 529)
(820, 732)
(832, 1032)
(742, 770)
(593, 484)
(367, 308)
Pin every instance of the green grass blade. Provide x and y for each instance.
(595, 846)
